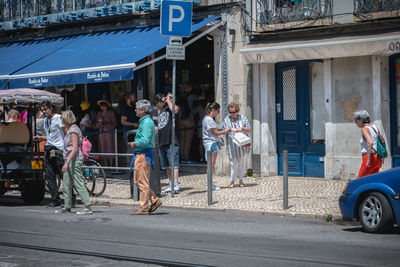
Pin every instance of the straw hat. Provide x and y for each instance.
(104, 101)
(85, 105)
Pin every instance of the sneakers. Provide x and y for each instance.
(167, 190)
(176, 187)
(63, 210)
(85, 212)
(155, 205)
(214, 187)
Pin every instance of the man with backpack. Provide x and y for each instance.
(187, 122)
(53, 151)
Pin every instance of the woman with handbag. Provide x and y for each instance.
(72, 168)
(369, 138)
(211, 133)
(237, 151)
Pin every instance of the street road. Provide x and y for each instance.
(35, 236)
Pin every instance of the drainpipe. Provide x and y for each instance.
(248, 19)
(249, 74)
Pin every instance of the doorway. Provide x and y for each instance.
(300, 117)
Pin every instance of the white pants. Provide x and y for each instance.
(237, 163)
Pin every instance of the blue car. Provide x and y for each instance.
(374, 200)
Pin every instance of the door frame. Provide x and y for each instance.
(395, 147)
(309, 155)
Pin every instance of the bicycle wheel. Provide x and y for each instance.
(88, 177)
(95, 179)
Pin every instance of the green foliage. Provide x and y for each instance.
(328, 217)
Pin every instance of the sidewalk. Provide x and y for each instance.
(308, 197)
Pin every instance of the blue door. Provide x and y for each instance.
(303, 136)
(394, 80)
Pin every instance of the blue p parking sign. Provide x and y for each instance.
(176, 18)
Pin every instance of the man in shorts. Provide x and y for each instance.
(164, 140)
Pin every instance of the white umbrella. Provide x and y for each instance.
(27, 96)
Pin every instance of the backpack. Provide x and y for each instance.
(86, 147)
(184, 106)
(380, 145)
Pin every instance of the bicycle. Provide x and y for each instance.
(95, 179)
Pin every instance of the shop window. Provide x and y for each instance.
(317, 112)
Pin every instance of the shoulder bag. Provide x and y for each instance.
(380, 145)
(240, 139)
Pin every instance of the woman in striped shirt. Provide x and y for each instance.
(237, 154)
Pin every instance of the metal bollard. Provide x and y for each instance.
(116, 171)
(285, 180)
(134, 189)
(155, 184)
(209, 178)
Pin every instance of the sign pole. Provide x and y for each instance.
(175, 21)
(173, 129)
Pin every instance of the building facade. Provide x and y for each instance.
(299, 69)
(316, 62)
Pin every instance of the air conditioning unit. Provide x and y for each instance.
(69, 88)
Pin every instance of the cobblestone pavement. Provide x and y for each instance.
(308, 197)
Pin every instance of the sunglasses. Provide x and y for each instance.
(232, 112)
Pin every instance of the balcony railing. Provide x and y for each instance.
(16, 14)
(283, 11)
(370, 6)
(17, 9)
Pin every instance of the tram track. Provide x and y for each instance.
(102, 255)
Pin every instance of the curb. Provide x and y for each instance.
(336, 219)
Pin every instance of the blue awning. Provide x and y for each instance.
(15, 56)
(89, 58)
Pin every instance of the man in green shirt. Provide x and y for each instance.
(143, 155)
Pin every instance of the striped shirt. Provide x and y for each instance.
(233, 150)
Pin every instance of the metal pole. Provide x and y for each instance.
(116, 146)
(209, 178)
(285, 180)
(173, 129)
(135, 190)
(116, 171)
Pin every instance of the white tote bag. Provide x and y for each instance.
(240, 139)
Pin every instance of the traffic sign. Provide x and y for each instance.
(173, 40)
(175, 52)
(176, 18)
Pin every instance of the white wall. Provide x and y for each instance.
(356, 83)
(237, 78)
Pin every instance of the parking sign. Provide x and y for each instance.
(176, 18)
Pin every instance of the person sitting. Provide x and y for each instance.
(13, 115)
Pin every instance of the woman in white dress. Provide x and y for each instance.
(237, 154)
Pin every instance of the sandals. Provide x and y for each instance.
(241, 184)
(231, 185)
